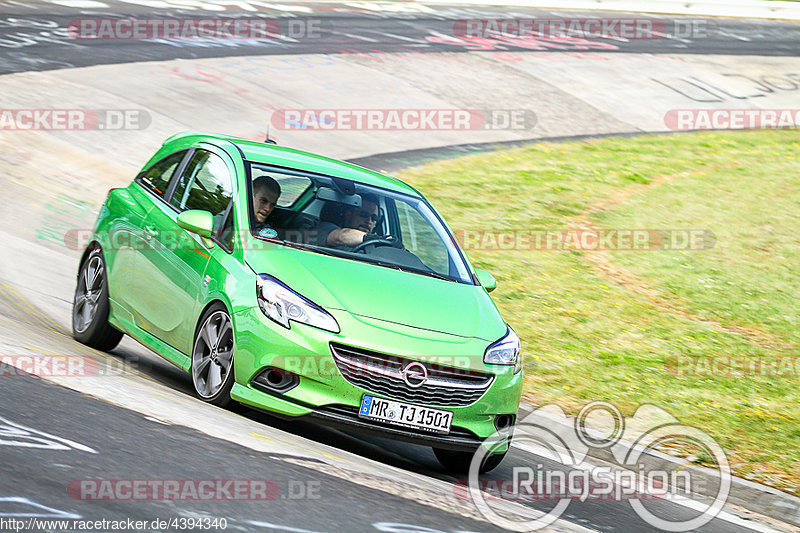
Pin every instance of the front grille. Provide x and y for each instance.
(383, 375)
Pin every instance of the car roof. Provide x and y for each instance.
(297, 159)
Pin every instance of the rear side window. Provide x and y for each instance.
(205, 184)
(156, 178)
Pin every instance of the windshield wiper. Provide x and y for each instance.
(310, 247)
(402, 268)
(364, 259)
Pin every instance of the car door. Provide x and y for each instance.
(126, 237)
(174, 265)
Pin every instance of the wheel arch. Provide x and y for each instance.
(92, 246)
(209, 304)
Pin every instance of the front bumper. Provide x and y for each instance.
(325, 396)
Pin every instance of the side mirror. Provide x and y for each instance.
(197, 221)
(486, 280)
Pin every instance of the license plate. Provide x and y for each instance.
(405, 414)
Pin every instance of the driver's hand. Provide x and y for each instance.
(388, 238)
(371, 237)
(395, 241)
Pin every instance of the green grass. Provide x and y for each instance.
(587, 337)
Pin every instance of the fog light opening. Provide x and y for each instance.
(273, 379)
(504, 422)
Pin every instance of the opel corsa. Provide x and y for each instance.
(395, 335)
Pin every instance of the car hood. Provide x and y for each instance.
(382, 293)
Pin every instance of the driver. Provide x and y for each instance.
(359, 222)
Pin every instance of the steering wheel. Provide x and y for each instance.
(376, 242)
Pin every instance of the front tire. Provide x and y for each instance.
(212, 357)
(90, 306)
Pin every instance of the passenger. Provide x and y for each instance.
(266, 192)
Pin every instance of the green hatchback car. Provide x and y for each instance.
(306, 287)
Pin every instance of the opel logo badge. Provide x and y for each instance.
(415, 374)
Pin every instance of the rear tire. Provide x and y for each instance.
(459, 462)
(212, 357)
(90, 306)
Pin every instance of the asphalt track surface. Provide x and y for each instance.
(37, 416)
(34, 36)
(128, 445)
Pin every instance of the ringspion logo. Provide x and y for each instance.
(548, 433)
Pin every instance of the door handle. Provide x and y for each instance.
(150, 231)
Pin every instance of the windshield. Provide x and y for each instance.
(352, 220)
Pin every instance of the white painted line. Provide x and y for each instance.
(269, 525)
(91, 4)
(391, 7)
(11, 433)
(52, 513)
(360, 37)
(402, 38)
(664, 35)
(727, 34)
(723, 515)
(290, 8)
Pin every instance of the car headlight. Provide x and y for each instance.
(505, 351)
(281, 304)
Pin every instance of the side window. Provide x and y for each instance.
(291, 188)
(420, 238)
(156, 178)
(226, 237)
(205, 184)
